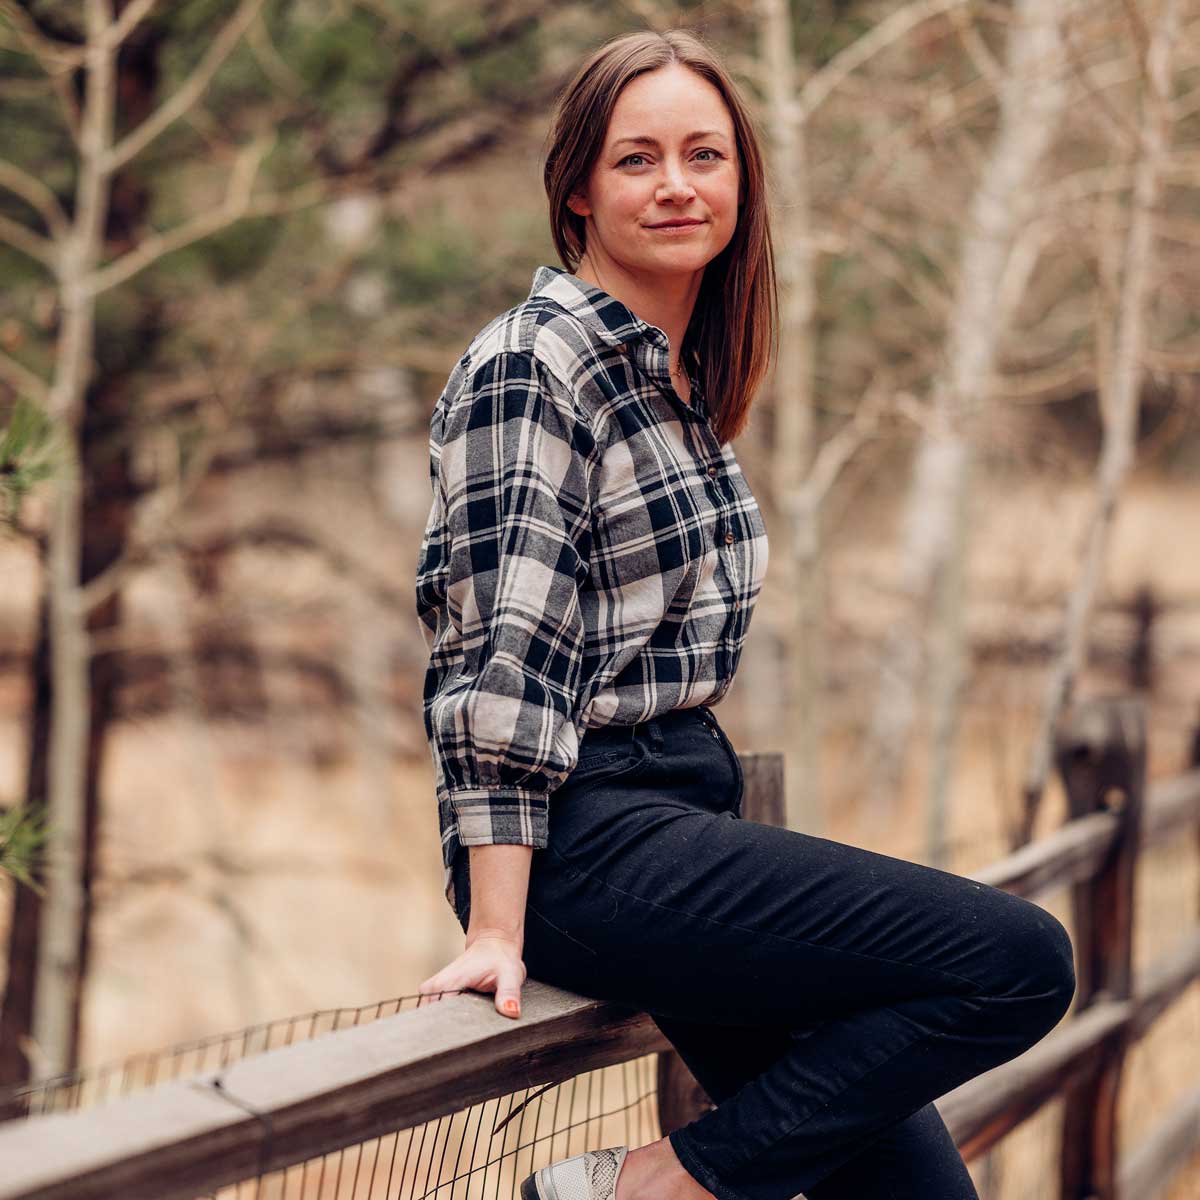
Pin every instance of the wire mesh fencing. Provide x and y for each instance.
(480, 1152)
(108, 1081)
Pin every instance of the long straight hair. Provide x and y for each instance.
(734, 326)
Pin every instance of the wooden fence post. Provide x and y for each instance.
(1100, 750)
(680, 1098)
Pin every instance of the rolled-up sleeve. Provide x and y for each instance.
(513, 483)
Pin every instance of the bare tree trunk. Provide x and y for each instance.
(105, 463)
(792, 393)
(58, 969)
(17, 1053)
(948, 640)
(1119, 402)
(1032, 97)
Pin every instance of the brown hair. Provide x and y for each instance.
(735, 323)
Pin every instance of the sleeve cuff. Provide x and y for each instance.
(501, 816)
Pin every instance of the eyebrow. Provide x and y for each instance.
(649, 141)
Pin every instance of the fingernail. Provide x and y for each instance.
(510, 1007)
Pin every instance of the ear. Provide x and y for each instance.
(578, 205)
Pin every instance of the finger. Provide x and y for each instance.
(508, 993)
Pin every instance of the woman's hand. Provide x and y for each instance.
(491, 962)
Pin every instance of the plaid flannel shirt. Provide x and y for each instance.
(592, 555)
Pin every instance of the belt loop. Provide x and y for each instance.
(656, 736)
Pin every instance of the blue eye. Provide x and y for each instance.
(707, 150)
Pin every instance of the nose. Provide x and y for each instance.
(675, 185)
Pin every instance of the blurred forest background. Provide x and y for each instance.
(242, 244)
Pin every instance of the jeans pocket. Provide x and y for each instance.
(602, 758)
(609, 752)
(592, 795)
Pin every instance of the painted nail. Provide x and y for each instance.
(510, 1007)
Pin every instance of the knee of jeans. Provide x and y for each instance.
(1042, 967)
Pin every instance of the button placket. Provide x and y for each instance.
(724, 535)
(657, 365)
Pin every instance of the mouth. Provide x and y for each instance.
(678, 224)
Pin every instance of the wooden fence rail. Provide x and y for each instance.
(180, 1139)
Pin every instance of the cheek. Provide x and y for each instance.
(627, 200)
(723, 199)
(725, 205)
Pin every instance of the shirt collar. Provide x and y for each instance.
(603, 315)
(607, 319)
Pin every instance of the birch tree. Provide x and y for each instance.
(1032, 92)
(76, 258)
(1123, 339)
(803, 467)
(790, 390)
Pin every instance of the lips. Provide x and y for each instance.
(675, 224)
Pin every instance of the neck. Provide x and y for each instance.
(666, 301)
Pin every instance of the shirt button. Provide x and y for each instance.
(736, 605)
(729, 539)
(713, 470)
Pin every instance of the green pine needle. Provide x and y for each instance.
(23, 834)
(25, 454)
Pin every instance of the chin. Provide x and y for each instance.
(681, 264)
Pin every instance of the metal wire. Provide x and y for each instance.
(479, 1153)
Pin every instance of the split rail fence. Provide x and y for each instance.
(257, 1122)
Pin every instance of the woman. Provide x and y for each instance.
(586, 583)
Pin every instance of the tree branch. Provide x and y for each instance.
(56, 58)
(66, 55)
(258, 37)
(189, 92)
(39, 196)
(822, 83)
(125, 24)
(23, 379)
(236, 205)
(1120, 125)
(984, 60)
(34, 244)
(836, 452)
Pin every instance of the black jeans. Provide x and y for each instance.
(823, 995)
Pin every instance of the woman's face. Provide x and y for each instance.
(669, 153)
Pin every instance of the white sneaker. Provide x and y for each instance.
(591, 1175)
